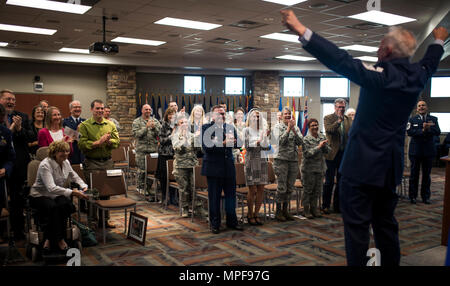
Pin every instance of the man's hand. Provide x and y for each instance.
(150, 123)
(292, 23)
(17, 120)
(440, 33)
(2, 172)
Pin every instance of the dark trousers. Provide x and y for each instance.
(18, 194)
(215, 187)
(362, 206)
(332, 171)
(426, 163)
(53, 215)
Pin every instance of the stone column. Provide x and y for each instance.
(121, 97)
(266, 90)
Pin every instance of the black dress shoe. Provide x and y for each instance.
(426, 201)
(413, 201)
(215, 230)
(236, 227)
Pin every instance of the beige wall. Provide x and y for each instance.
(85, 83)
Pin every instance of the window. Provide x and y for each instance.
(443, 121)
(327, 108)
(293, 86)
(334, 87)
(234, 85)
(439, 87)
(193, 84)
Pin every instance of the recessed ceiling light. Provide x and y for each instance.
(3, 44)
(23, 29)
(285, 2)
(361, 48)
(51, 5)
(78, 30)
(382, 18)
(137, 41)
(282, 37)
(234, 69)
(368, 59)
(295, 58)
(193, 68)
(187, 23)
(71, 50)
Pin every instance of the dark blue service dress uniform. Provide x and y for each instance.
(372, 164)
(422, 150)
(218, 167)
(75, 157)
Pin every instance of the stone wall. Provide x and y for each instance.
(266, 88)
(121, 97)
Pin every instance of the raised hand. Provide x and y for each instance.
(440, 33)
(291, 22)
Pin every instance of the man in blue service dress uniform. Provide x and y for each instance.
(422, 128)
(76, 157)
(372, 164)
(218, 141)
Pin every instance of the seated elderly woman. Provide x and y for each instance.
(51, 198)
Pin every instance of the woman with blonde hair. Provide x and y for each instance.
(53, 130)
(50, 197)
(196, 121)
(256, 141)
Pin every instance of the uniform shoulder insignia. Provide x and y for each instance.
(408, 126)
(372, 68)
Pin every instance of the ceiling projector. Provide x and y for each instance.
(104, 47)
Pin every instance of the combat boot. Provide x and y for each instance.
(306, 212)
(286, 213)
(279, 214)
(314, 210)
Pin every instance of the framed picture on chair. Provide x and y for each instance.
(137, 228)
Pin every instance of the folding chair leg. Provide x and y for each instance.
(193, 203)
(179, 202)
(125, 229)
(104, 226)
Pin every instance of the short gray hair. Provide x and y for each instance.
(402, 41)
(70, 104)
(2, 92)
(340, 100)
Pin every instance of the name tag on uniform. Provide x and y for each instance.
(415, 125)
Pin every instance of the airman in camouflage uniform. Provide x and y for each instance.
(313, 168)
(145, 130)
(185, 161)
(285, 164)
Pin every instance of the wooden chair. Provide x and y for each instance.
(151, 165)
(119, 157)
(111, 186)
(132, 166)
(200, 189)
(270, 191)
(241, 188)
(171, 182)
(5, 216)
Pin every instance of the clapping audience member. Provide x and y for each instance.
(185, 160)
(107, 116)
(51, 198)
(256, 141)
(37, 123)
(351, 113)
(7, 157)
(197, 119)
(53, 130)
(18, 123)
(165, 152)
(285, 164)
(72, 122)
(314, 148)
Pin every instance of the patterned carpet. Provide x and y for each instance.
(172, 240)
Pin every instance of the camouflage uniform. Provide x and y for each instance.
(285, 164)
(313, 168)
(146, 143)
(185, 161)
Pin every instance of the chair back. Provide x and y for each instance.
(80, 173)
(170, 176)
(151, 163)
(119, 155)
(108, 185)
(132, 158)
(42, 153)
(271, 173)
(240, 174)
(200, 181)
(32, 170)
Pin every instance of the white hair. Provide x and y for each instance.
(402, 41)
(350, 110)
(72, 102)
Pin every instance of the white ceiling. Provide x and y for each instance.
(191, 48)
